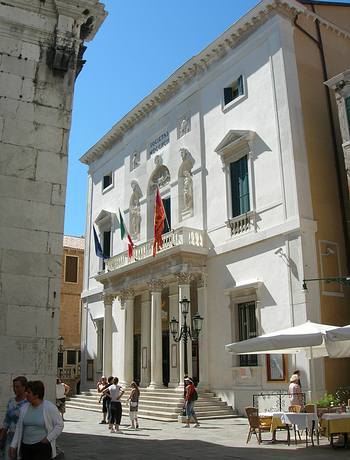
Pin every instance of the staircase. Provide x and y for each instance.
(162, 404)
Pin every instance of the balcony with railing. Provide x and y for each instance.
(241, 224)
(183, 239)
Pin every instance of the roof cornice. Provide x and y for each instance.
(198, 64)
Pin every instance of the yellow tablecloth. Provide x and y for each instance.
(335, 423)
(275, 422)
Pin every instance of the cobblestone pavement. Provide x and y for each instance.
(84, 438)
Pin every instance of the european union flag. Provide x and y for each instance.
(98, 248)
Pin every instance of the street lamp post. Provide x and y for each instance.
(60, 351)
(186, 332)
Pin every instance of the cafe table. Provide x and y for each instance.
(336, 424)
(301, 420)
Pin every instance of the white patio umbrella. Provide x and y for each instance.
(338, 342)
(308, 337)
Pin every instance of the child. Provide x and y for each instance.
(134, 405)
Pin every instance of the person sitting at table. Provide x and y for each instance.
(294, 391)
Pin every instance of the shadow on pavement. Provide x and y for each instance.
(92, 447)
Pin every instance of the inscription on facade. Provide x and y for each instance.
(159, 142)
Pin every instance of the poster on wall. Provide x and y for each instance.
(276, 366)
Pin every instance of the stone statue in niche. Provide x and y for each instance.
(135, 210)
(185, 126)
(188, 192)
(161, 175)
(135, 161)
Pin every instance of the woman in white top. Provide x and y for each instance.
(115, 392)
(294, 391)
(38, 427)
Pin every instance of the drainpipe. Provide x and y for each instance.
(338, 164)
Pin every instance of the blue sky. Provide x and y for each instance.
(139, 45)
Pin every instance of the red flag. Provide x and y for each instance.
(159, 218)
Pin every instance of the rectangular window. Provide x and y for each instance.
(107, 181)
(233, 91)
(239, 187)
(106, 243)
(71, 357)
(247, 330)
(167, 209)
(347, 106)
(71, 269)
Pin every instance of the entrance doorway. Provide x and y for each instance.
(195, 362)
(165, 343)
(137, 358)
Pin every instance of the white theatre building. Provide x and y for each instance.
(237, 140)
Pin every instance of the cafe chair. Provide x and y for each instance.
(310, 408)
(257, 424)
(296, 409)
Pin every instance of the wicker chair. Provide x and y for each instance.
(296, 409)
(310, 408)
(255, 424)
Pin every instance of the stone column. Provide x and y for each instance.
(155, 286)
(145, 339)
(127, 366)
(173, 346)
(107, 334)
(184, 280)
(203, 340)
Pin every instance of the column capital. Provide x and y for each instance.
(155, 285)
(107, 298)
(184, 277)
(126, 294)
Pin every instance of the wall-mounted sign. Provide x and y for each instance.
(158, 142)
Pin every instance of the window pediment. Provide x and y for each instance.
(104, 219)
(234, 142)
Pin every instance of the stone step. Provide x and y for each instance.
(163, 404)
(156, 415)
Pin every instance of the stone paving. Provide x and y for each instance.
(84, 438)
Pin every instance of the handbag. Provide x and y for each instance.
(3, 441)
(133, 403)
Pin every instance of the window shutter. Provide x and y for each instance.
(247, 330)
(239, 187)
(244, 204)
(234, 176)
(240, 86)
(347, 106)
(71, 269)
(227, 95)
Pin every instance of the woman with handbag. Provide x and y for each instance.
(12, 414)
(134, 405)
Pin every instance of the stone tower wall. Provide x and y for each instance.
(41, 46)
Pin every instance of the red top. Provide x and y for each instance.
(190, 390)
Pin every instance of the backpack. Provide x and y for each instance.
(194, 396)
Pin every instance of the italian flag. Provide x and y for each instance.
(123, 232)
